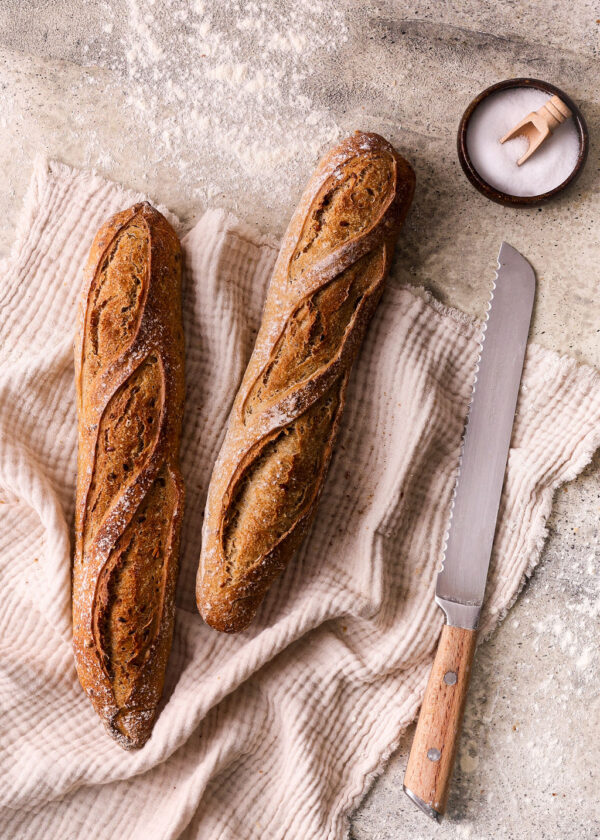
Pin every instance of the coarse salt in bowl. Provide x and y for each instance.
(496, 162)
(492, 166)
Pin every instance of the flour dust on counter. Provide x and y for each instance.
(186, 67)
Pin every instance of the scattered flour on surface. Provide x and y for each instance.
(585, 659)
(236, 84)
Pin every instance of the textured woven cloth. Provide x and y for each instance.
(276, 732)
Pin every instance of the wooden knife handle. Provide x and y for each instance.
(427, 777)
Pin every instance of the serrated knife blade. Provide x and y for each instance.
(468, 544)
(461, 582)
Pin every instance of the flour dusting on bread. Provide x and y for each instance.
(325, 287)
(129, 373)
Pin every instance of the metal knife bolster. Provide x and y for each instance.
(460, 615)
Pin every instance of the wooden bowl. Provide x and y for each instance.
(492, 192)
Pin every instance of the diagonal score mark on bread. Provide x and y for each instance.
(114, 308)
(340, 269)
(325, 288)
(275, 491)
(351, 202)
(127, 435)
(124, 632)
(278, 469)
(315, 336)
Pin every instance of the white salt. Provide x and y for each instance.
(497, 162)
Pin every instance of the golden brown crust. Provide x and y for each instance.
(130, 390)
(325, 287)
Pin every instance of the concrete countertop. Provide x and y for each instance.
(230, 104)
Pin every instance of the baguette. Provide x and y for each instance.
(130, 391)
(325, 287)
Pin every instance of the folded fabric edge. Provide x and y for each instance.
(27, 212)
(457, 315)
(43, 502)
(586, 382)
(63, 170)
(227, 221)
(357, 794)
(42, 169)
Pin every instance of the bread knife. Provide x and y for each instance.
(468, 543)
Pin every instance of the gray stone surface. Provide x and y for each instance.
(230, 104)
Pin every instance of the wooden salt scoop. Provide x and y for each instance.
(539, 125)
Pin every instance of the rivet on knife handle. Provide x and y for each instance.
(461, 581)
(429, 769)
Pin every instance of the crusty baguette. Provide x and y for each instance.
(130, 390)
(326, 284)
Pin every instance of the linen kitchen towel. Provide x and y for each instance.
(276, 732)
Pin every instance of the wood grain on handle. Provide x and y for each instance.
(427, 777)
